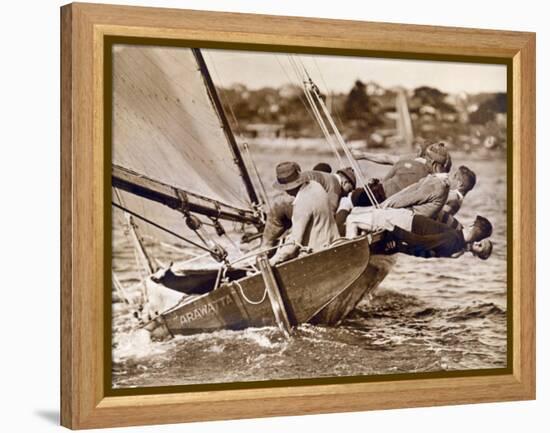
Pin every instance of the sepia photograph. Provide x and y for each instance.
(290, 216)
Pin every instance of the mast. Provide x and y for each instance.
(178, 199)
(237, 157)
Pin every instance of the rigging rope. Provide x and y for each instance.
(311, 90)
(353, 162)
(120, 289)
(336, 111)
(324, 128)
(158, 226)
(224, 100)
(257, 173)
(246, 298)
(315, 109)
(237, 126)
(312, 109)
(290, 80)
(143, 277)
(143, 261)
(266, 250)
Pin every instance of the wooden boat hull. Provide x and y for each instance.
(308, 286)
(378, 268)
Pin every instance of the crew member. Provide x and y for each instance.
(322, 166)
(426, 197)
(421, 236)
(337, 185)
(429, 238)
(404, 173)
(279, 218)
(462, 181)
(389, 159)
(278, 221)
(313, 223)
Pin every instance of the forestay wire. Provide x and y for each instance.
(143, 261)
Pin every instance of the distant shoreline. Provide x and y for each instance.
(318, 147)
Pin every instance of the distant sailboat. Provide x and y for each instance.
(178, 176)
(404, 122)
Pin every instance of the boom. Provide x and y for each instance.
(178, 199)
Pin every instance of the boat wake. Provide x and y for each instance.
(392, 304)
(390, 333)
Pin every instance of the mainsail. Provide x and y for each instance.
(167, 127)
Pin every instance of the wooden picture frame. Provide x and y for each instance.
(85, 402)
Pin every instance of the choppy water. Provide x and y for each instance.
(427, 315)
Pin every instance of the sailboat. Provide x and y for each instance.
(179, 177)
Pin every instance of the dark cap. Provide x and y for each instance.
(289, 176)
(349, 174)
(323, 166)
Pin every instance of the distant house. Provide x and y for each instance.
(264, 130)
(450, 117)
(288, 91)
(428, 109)
(374, 89)
(501, 119)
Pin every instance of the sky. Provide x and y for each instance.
(338, 73)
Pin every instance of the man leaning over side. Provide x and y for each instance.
(419, 235)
